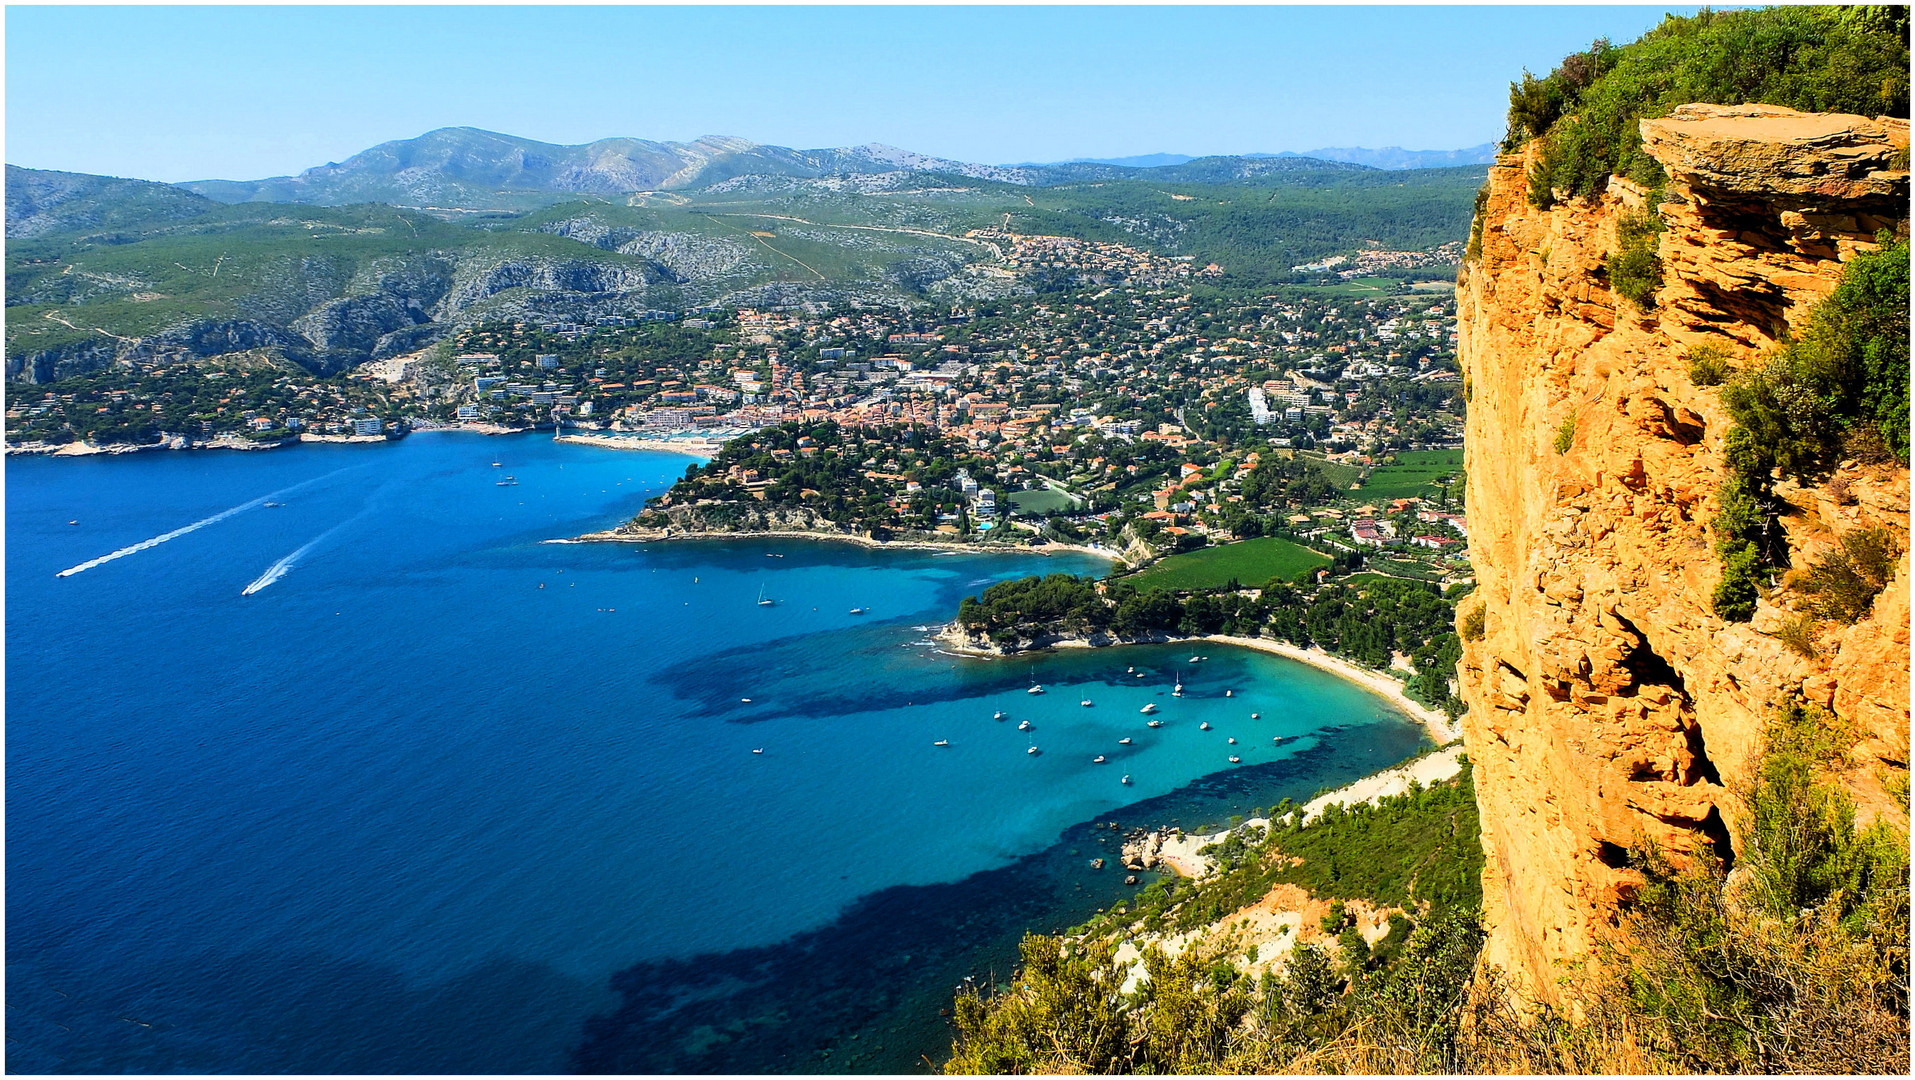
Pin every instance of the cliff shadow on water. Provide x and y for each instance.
(869, 992)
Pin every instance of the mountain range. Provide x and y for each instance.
(397, 246)
(468, 168)
(1390, 157)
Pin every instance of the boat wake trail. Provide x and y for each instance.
(278, 570)
(194, 527)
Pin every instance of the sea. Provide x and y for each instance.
(328, 760)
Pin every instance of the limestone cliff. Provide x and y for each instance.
(1607, 704)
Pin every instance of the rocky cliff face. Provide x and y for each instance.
(1608, 706)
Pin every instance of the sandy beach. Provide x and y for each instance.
(698, 448)
(1179, 852)
(1442, 730)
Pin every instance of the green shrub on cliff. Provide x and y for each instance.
(1840, 387)
(1852, 59)
(1635, 271)
(1845, 581)
(1796, 962)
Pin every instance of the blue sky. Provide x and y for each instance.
(237, 92)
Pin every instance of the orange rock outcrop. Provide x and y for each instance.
(1608, 706)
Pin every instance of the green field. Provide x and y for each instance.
(1040, 501)
(1405, 568)
(1337, 473)
(1414, 474)
(1250, 562)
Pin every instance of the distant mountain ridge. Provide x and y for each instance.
(40, 201)
(1395, 157)
(1389, 157)
(469, 168)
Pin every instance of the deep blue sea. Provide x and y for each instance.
(435, 796)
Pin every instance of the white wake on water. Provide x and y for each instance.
(195, 526)
(278, 570)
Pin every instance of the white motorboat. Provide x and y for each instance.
(859, 610)
(760, 750)
(1205, 726)
(1085, 703)
(1032, 750)
(1098, 760)
(1148, 708)
(1035, 689)
(1234, 759)
(998, 715)
(1194, 659)
(942, 742)
(1233, 742)
(1153, 723)
(1229, 693)
(1125, 741)
(1256, 716)
(1023, 725)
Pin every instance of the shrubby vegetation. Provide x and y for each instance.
(1368, 620)
(1793, 960)
(1841, 387)
(1708, 365)
(1635, 271)
(1798, 960)
(1844, 582)
(1052, 604)
(1063, 1010)
(1851, 59)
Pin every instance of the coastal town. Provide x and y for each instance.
(1120, 400)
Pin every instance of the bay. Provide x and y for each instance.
(438, 796)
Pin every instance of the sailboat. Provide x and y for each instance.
(998, 715)
(1126, 779)
(1023, 725)
(763, 600)
(1035, 688)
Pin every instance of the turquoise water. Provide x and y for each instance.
(436, 796)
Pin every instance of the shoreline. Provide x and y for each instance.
(1179, 851)
(612, 536)
(697, 448)
(1441, 729)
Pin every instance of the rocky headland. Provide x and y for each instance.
(1609, 706)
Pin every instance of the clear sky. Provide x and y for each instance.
(244, 92)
